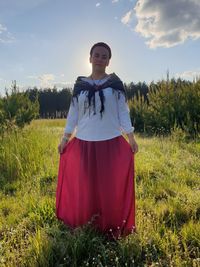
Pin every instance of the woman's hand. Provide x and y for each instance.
(134, 146)
(132, 142)
(61, 146)
(63, 142)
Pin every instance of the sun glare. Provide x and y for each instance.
(87, 65)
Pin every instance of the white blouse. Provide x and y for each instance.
(115, 118)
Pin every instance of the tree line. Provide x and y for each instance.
(155, 108)
(55, 104)
(171, 104)
(52, 103)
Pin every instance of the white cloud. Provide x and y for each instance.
(115, 1)
(32, 77)
(63, 84)
(5, 35)
(98, 4)
(2, 28)
(49, 77)
(168, 23)
(46, 80)
(190, 74)
(126, 19)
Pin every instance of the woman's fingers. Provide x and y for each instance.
(134, 148)
(60, 148)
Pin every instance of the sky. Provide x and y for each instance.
(46, 43)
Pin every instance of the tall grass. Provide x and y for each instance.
(168, 205)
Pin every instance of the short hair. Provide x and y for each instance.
(103, 45)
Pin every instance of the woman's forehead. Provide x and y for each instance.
(100, 50)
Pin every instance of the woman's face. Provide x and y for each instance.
(99, 58)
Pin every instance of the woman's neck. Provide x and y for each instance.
(98, 75)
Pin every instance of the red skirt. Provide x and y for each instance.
(96, 185)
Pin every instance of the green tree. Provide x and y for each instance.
(16, 110)
(171, 104)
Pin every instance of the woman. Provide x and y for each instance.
(96, 170)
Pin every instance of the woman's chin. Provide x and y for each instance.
(99, 68)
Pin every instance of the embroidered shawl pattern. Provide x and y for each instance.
(113, 81)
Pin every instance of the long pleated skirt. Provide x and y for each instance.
(96, 186)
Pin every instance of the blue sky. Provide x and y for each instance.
(46, 42)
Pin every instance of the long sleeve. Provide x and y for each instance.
(72, 117)
(124, 115)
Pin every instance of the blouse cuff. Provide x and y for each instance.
(131, 130)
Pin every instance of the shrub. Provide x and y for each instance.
(16, 110)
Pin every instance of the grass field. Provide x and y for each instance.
(168, 205)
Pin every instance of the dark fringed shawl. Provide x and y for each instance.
(113, 81)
